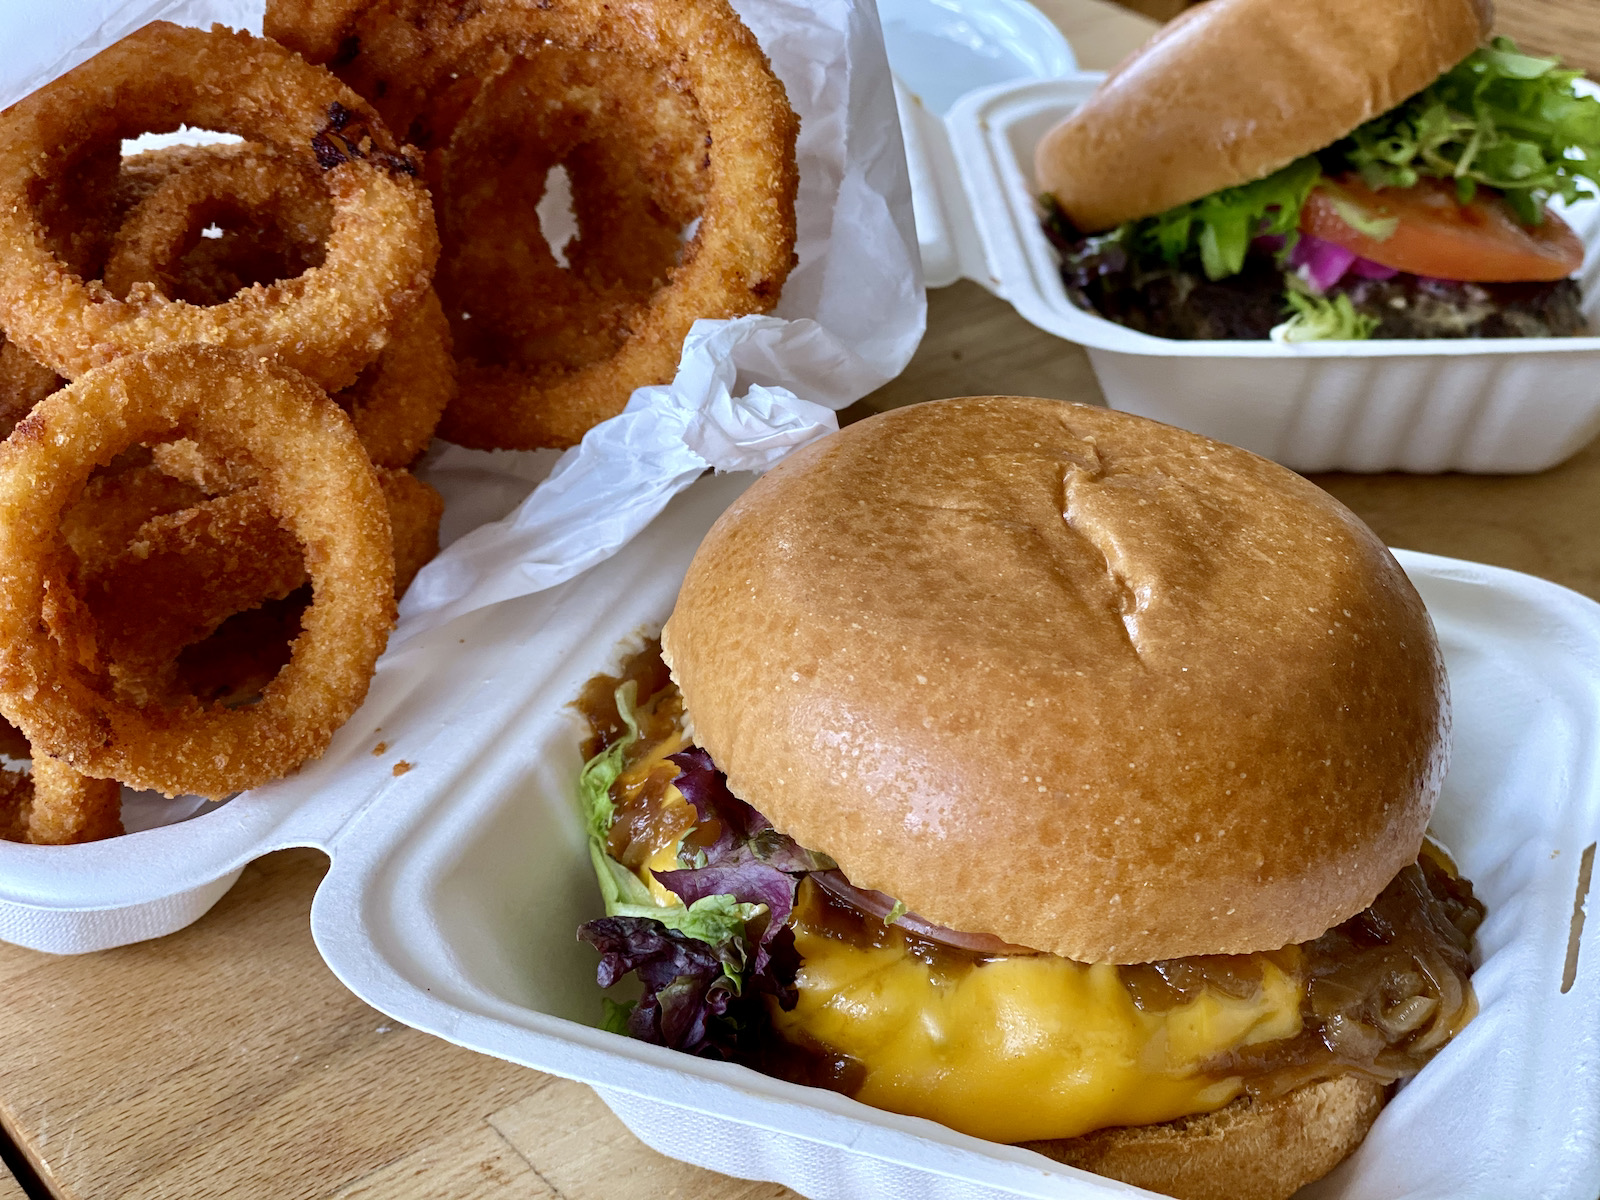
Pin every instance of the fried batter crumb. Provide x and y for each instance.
(401, 767)
(379, 749)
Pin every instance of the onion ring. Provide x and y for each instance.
(51, 804)
(330, 321)
(65, 807)
(411, 50)
(318, 483)
(396, 404)
(134, 566)
(512, 302)
(181, 574)
(249, 649)
(23, 383)
(397, 401)
(228, 185)
(115, 504)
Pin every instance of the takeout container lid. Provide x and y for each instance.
(452, 908)
(939, 50)
(1503, 405)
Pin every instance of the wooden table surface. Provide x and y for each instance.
(226, 1060)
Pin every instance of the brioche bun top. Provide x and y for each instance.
(1074, 678)
(1233, 90)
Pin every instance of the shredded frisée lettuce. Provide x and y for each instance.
(1499, 119)
(1319, 318)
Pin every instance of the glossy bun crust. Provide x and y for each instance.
(1249, 1150)
(1232, 90)
(1089, 683)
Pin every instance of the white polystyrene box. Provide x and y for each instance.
(453, 905)
(1472, 404)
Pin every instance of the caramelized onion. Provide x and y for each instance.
(876, 904)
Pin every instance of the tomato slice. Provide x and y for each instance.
(1433, 234)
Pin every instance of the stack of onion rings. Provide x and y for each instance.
(280, 221)
(203, 550)
(642, 71)
(176, 495)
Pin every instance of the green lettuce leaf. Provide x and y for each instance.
(1498, 119)
(619, 887)
(1219, 227)
(716, 920)
(1323, 319)
(601, 771)
(614, 1016)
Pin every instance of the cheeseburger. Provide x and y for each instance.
(1049, 773)
(1316, 169)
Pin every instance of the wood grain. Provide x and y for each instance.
(10, 1189)
(226, 1060)
(1568, 28)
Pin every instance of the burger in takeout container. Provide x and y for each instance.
(972, 731)
(1268, 168)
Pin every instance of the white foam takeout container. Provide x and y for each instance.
(455, 893)
(1473, 404)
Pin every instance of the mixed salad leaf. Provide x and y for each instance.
(1500, 119)
(1220, 227)
(700, 962)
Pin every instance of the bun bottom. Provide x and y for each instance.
(1247, 1150)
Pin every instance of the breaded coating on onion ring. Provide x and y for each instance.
(328, 322)
(316, 480)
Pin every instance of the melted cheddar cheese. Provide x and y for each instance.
(1010, 1049)
(1016, 1049)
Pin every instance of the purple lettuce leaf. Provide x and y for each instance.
(699, 993)
(685, 980)
(739, 875)
(739, 825)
